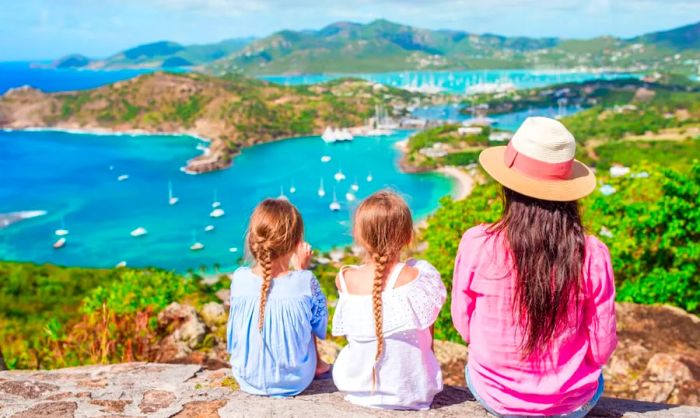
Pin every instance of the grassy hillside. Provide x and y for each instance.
(386, 46)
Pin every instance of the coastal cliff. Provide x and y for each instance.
(232, 112)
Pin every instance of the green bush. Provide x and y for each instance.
(136, 290)
(444, 232)
(655, 243)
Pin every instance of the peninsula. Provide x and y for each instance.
(231, 111)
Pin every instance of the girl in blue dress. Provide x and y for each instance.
(277, 312)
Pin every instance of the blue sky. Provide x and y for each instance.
(42, 29)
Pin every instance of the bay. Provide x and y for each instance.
(74, 177)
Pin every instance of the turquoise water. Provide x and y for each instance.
(16, 74)
(457, 81)
(74, 177)
(506, 121)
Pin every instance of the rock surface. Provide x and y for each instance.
(170, 390)
(658, 355)
(657, 359)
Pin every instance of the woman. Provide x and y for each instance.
(533, 295)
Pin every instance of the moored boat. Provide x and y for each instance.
(217, 213)
(60, 243)
(139, 232)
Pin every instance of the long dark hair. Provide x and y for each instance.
(547, 244)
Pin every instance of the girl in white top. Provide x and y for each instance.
(386, 310)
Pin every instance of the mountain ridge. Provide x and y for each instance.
(383, 45)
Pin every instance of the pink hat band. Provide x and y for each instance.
(536, 168)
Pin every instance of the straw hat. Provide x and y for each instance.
(539, 162)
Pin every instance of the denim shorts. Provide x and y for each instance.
(579, 413)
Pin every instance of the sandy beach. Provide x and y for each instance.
(465, 182)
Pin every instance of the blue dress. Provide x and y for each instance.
(280, 361)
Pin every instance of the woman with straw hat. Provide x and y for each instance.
(533, 295)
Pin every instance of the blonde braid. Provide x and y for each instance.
(264, 256)
(380, 261)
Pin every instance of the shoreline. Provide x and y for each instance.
(106, 132)
(464, 182)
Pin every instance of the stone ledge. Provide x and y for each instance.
(168, 390)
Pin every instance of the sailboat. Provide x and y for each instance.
(59, 243)
(215, 202)
(208, 228)
(350, 196)
(355, 187)
(62, 231)
(321, 190)
(282, 195)
(196, 246)
(217, 213)
(339, 176)
(369, 178)
(292, 189)
(325, 158)
(334, 206)
(171, 199)
(123, 177)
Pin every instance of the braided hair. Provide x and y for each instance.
(383, 227)
(275, 230)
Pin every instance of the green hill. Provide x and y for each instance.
(681, 39)
(386, 46)
(377, 46)
(165, 53)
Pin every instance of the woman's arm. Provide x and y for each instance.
(462, 303)
(600, 305)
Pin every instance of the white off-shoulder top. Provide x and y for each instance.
(408, 374)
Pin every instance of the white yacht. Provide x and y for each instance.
(328, 135)
(215, 201)
(321, 190)
(208, 228)
(355, 187)
(139, 232)
(339, 176)
(171, 199)
(121, 264)
(369, 178)
(292, 189)
(326, 158)
(344, 135)
(350, 196)
(123, 177)
(217, 213)
(233, 249)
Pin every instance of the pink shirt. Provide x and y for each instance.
(564, 380)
